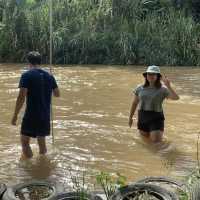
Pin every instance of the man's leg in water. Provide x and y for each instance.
(42, 145)
(26, 149)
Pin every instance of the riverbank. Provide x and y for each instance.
(110, 187)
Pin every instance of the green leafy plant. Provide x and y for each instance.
(80, 186)
(110, 182)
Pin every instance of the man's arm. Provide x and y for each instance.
(19, 103)
(56, 92)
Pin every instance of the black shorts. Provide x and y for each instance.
(150, 121)
(35, 127)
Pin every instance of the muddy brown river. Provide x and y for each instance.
(91, 132)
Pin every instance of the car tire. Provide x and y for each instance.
(133, 190)
(162, 179)
(2, 189)
(171, 183)
(55, 188)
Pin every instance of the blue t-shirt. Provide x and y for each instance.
(40, 85)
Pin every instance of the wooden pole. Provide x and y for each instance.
(50, 56)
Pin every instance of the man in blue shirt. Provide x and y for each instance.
(36, 86)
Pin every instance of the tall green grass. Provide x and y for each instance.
(100, 32)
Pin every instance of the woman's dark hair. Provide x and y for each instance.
(157, 83)
(34, 58)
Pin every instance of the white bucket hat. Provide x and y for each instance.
(152, 69)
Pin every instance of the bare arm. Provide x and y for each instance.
(56, 92)
(133, 108)
(173, 95)
(19, 103)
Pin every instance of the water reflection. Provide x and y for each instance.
(40, 167)
(172, 157)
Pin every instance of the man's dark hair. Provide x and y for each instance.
(34, 58)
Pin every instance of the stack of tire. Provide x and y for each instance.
(152, 187)
(22, 191)
(53, 191)
(161, 188)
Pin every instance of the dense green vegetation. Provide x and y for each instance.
(163, 32)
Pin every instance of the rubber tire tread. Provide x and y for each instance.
(162, 179)
(10, 192)
(156, 191)
(2, 189)
(71, 196)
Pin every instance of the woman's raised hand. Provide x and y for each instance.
(166, 81)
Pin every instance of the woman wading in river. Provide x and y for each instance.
(149, 98)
